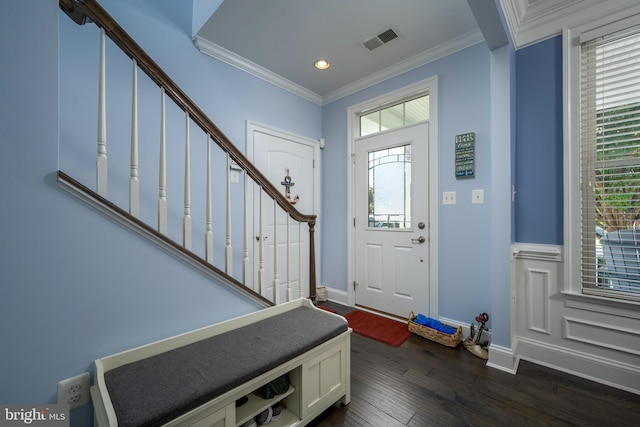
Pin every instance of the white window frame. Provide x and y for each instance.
(571, 119)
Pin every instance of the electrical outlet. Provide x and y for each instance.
(74, 391)
(449, 198)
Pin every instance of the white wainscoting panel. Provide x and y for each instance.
(537, 292)
(617, 338)
(591, 337)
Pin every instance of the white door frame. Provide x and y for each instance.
(431, 85)
(252, 127)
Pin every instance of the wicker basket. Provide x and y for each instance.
(433, 335)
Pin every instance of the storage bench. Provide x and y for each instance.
(196, 378)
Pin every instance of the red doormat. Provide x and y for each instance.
(379, 328)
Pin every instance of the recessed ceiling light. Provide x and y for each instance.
(322, 64)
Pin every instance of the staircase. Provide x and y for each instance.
(291, 272)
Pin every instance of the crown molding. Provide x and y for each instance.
(466, 40)
(531, 21)
(218, 52)
(215, 51)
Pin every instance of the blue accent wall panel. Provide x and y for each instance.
(538, 153)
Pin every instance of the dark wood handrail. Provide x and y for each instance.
(157, 236)
(83, 11)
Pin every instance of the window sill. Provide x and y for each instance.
(598, 304)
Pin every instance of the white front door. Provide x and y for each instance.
(391, 221)
(289, 162)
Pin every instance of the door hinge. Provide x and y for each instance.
(354, 221)
(354, 285)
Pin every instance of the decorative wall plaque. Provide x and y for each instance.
(465, 155)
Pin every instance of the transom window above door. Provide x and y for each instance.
(395, 115)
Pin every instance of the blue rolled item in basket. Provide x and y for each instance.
(421, 319)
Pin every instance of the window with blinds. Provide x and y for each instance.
(610, 164)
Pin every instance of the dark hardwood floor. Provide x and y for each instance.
(422, 383)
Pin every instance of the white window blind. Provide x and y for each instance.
(610, 164)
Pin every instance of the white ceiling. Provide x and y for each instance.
(279, 40)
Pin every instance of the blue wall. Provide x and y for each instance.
(538, 162)
(228, 96)
(464, 229)
(76, 286)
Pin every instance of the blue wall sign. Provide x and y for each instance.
(465, 155)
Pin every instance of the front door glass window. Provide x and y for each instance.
(390, 188)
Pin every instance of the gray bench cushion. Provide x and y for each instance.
(156, 390)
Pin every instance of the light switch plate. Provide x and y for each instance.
(477, 197)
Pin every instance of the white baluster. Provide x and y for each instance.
(246, 262)
(162, 185)
(276, 279)
(228, 247)
(300, 272)
(289, 292)
(186, 220)
(208, 235)
(101, 160)
(262, 282)
(134, 183)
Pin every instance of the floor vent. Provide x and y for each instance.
(380, 39)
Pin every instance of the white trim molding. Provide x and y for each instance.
(532, 21)
(337, 296)
(452, 46)
(537, 252)
(218, 52)
(502, 358)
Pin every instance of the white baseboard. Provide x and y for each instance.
(337, 296)
(589, 366)
(466, 329)
(502, 358)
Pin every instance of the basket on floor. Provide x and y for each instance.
(433, 335)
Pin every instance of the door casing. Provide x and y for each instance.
(353, 113)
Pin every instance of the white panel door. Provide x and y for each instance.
(287, 161)
(391, 221)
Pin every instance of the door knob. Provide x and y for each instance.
(420, 240)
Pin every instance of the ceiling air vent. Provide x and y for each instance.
(380, 39)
